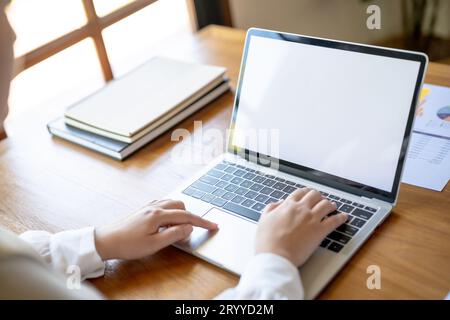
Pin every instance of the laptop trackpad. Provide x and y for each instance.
(232, 246)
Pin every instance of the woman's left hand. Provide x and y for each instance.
(156, 226)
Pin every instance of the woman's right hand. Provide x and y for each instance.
(295, 227)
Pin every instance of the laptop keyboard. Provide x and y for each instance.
(246, 192)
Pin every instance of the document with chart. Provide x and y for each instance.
(428, 160)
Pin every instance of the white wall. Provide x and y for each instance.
(337, 19)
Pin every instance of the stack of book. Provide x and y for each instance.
(131, 111)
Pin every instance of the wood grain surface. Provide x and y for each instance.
(50, 184)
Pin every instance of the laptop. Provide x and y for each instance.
(329, 115)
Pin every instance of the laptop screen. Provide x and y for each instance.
(338, 112)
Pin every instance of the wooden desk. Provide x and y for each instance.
(53, 185)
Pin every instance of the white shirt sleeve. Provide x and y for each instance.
(68, 249)
(267, 276)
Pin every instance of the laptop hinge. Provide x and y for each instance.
(378, 201)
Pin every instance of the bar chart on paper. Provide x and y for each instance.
(433, 111)
(428, 160)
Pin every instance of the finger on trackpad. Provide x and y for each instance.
(231, 246)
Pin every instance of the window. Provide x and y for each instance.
(68, 49)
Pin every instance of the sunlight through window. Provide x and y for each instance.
(75, 72)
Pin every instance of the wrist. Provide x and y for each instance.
(105, 243)
(276, 258)
(278, 252)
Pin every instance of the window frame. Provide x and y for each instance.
(92, 29)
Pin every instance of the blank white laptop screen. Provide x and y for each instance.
(340, 112)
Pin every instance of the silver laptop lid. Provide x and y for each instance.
(333, 112)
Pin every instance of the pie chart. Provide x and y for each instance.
(444, 113)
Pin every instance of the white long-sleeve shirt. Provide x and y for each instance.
(267, 276)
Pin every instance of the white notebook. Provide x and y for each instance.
(129, 107)
(118, 149)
